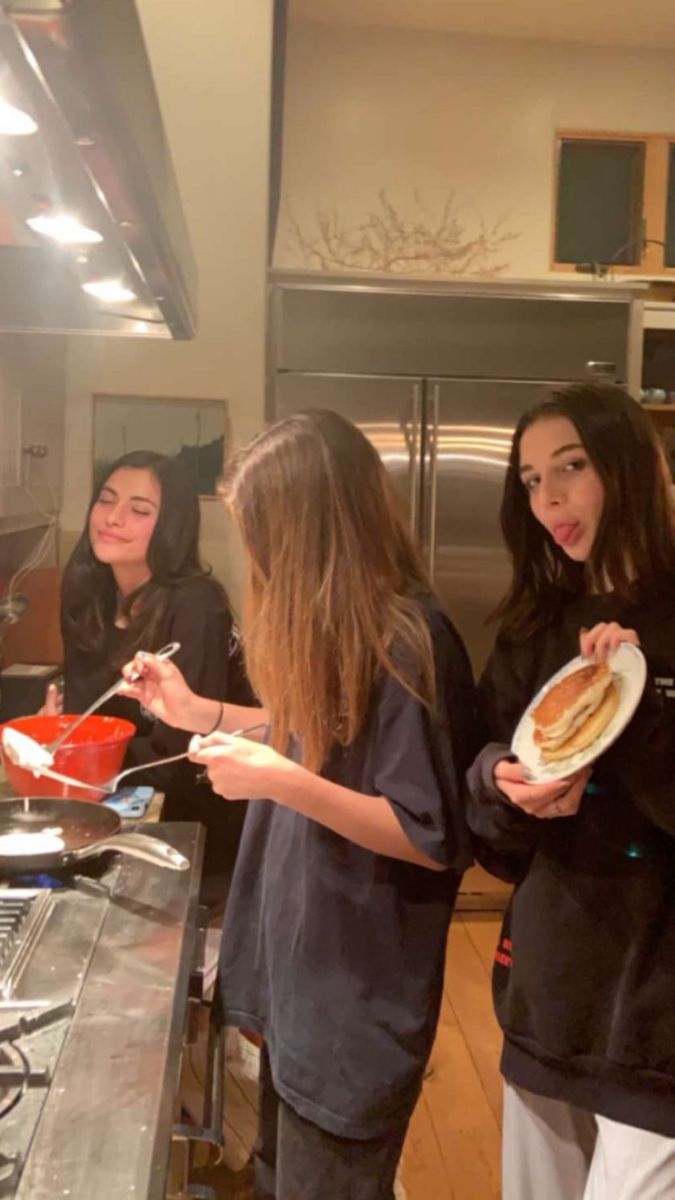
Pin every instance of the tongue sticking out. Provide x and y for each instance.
(564, 533)
(24, 751)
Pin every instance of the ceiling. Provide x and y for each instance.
(632, 23)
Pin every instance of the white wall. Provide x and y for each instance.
(211, 63)
(32, 391)
(402, 110)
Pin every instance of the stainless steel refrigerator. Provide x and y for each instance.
(436, 377)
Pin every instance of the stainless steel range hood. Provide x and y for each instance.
(92, 233)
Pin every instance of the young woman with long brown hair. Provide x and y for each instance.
(355, 840)
(584, 983)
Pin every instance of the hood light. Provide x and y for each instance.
(64, 228)
(14, 122)
(110, 290)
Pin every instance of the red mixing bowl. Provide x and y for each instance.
(94, 753)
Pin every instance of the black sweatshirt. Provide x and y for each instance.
(198, 616)
(584, 977)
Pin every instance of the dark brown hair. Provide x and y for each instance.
(89, 601)
(634, 547)
(332, 576)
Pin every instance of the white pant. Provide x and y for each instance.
(555, 1151)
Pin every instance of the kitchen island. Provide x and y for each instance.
(93, 995)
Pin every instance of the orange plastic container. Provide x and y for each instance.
(94, 754)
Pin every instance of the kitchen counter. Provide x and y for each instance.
(105, 1120)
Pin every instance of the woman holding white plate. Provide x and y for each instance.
(584, 978)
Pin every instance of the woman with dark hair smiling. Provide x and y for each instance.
(135, 581)
(584, 979)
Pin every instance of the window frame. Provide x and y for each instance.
(654, 196)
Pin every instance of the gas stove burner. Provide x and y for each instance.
(39, 882)
(14, 1075)
(23, 913)
(14, 911)
(10, 1171)
(94, 870)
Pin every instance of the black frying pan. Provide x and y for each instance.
(86, 829)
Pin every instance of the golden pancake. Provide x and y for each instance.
(589, 731)
(571, 693)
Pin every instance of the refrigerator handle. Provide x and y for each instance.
(433, 476)
(413, 437)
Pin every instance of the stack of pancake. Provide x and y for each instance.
(575, 712)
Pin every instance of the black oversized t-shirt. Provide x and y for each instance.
(336, 954)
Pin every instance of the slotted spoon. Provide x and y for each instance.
(112, 785)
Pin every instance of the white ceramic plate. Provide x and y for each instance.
(629, 670)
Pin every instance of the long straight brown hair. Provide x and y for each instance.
(634, 548)
(332, 581)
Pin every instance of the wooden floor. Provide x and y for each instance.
(453, 1147)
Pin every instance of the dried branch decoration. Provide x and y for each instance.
(386, 241)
